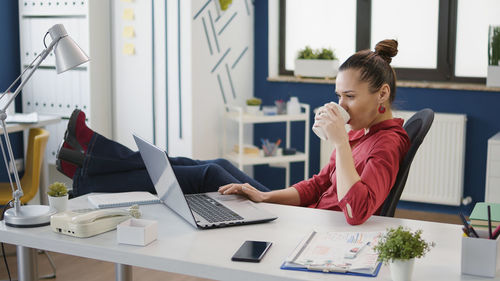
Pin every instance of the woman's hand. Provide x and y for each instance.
(330, 119)
(243, 189)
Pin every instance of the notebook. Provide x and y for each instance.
(123, 199)
(336, 252)
(479, 215)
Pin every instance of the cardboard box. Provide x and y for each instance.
(137, 232)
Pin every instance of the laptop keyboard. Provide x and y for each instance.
(210, 209)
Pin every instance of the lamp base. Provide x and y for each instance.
(29, 216)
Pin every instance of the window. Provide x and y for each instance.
(427, 32)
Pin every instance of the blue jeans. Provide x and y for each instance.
(113, 167)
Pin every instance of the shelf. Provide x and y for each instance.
(252, 119)
(256, 160)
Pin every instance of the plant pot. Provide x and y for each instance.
(316, 68)
(60, 204)
(253, 109)
(401, 270)
(493, 78)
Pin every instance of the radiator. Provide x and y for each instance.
(437, 172)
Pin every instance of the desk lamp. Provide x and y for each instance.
(68, 55)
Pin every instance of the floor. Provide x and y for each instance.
(77, 269)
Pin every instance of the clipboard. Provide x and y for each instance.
(331, 252)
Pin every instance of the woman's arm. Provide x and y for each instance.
(287, 196)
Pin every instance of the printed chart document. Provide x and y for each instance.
(336, 252)
(123, 199)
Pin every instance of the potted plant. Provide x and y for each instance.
(399, 247)
(253, 105)
(493, 78)
(316, 63)
(58, 196)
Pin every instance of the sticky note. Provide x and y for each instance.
(129, 49)
(128, 14)
(128, 32)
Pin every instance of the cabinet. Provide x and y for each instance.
(237, 115)
(87, 87)
(492, 190)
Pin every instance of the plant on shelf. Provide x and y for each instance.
(58, 196)
(316, 63)
(494, 45)
(399, 247)
(224, 4)
(253, 105)
(493, 77)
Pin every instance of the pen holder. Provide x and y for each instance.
(479, 255)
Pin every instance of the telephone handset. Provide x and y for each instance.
(89, 223)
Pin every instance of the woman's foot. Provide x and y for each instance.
(76, 139)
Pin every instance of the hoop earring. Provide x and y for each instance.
(381, 109)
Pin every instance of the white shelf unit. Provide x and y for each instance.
(236, 114)
(492, 191)
(88, 87)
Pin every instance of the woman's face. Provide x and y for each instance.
(355, 97)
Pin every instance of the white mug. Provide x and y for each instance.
(319, 131)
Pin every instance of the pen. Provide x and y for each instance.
(467, 226)
(489, 222)
(466, 231)
(496, 232)
(355, 251)
(276, 146)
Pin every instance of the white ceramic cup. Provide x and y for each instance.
(319, 131)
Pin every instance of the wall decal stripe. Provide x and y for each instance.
(239, 57)
(246, 5)
(220, 60)
(222, 90)
(213, 30)
(166, 77)
(206, 34)
(230, 81)
(201, 10)
(179, 64)
(153, 67)
(227, 23)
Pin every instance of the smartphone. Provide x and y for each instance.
(251, 251)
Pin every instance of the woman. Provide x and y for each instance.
(356, 181)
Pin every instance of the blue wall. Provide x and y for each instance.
(10, 66)
(482, 110)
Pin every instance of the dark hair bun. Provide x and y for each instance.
(387, 49)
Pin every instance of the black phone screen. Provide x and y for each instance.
(251, 251)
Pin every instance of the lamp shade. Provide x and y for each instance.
(68, 54)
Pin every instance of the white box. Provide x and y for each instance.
(479, 255)
(137, 232)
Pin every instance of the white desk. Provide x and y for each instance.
(207, 253)
(43, 120)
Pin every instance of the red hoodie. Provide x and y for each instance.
(376, 158)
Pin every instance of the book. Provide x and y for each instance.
(336, 252)
(123, 199)
(479, 215)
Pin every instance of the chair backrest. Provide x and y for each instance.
(416, 127)
(30, 182)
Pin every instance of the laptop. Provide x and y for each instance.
(203, 210)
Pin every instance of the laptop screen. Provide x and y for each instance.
(162, 175)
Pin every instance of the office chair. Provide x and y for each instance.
(30, 182)
(416, 127)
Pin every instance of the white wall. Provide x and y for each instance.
(169, 90)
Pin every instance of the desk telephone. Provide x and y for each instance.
(90, 222)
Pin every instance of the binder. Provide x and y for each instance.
(349, 253)
(123, 199)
